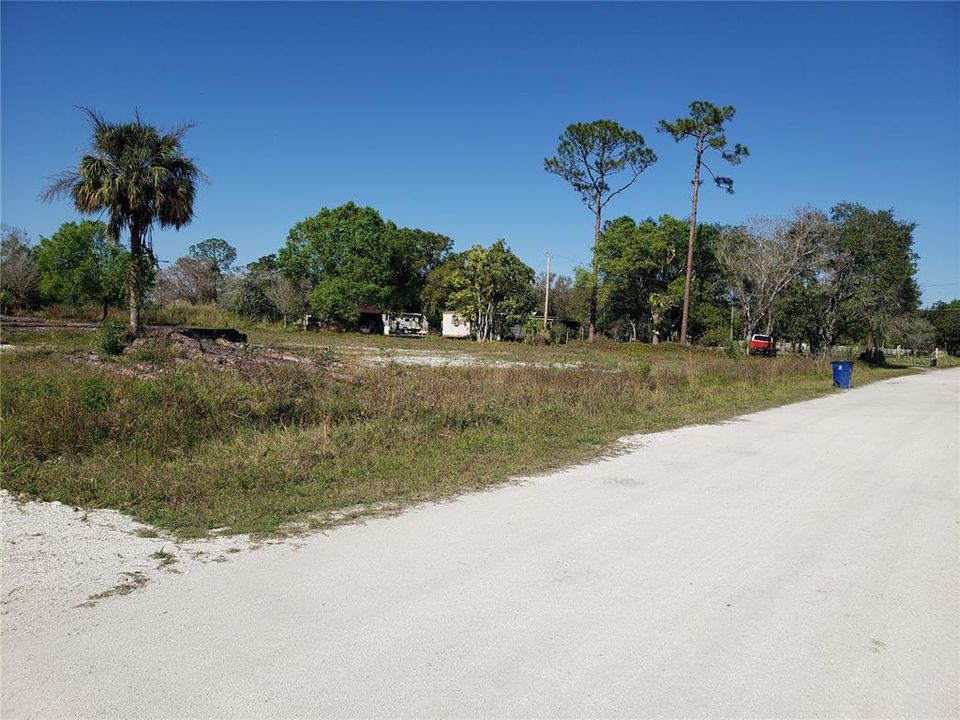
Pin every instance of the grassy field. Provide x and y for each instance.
(923, 361)
(346, 430)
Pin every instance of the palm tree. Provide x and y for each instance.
(140, 178)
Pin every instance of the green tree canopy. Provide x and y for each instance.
(492, 288)
(860, 282)
(261, 291)
(641, 277)
(352, 257)
(79, 265)
(219, 253)
(705, 126)
(266, 263)
(437, 287)
(246, 295)
(568, 302)
(882, 279)
(945, 317)
(638, 262)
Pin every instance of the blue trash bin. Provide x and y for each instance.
(842, 374)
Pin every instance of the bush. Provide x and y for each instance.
(534, 333)
(111, 337)
(150, 350)
(208, 315)
(715, 337)
(873, 356)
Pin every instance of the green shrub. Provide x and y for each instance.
(325, 357)
(152, 351)
(715, 337)
(873, 357)
(111, 337)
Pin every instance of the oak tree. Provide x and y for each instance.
(762, 259)
(492, 288)
(78, 265)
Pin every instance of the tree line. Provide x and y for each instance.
(814, 278)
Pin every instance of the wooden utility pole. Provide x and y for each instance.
(546, 294)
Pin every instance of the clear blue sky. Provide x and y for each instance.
(440, 115)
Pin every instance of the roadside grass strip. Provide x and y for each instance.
(273, 449)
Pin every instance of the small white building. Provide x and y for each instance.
(455, 326)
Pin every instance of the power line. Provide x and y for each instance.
(576, 262)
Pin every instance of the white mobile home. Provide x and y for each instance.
(455, 326)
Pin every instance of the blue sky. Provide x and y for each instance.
(440, 115)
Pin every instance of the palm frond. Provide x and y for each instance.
(60, 186)
(134, 172)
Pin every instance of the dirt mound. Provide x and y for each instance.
(159, 349)
(217, 346)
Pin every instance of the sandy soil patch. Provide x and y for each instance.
(450, 359)
(58, 559)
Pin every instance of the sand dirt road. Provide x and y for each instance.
(800, 562)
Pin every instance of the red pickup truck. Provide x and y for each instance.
(762, 345)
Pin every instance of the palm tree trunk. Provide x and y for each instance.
(136, 277)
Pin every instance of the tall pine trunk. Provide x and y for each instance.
(693, 233)
(594, 290)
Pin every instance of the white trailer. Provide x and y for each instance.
(455, 326)
(406, 324)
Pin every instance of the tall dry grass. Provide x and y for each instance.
(199, 447)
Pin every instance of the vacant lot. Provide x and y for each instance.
(303, 430)
(673, 580)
